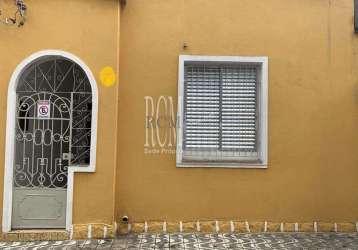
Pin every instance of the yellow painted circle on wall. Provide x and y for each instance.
(107, 76)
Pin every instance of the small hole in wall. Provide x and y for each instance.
(125, 219)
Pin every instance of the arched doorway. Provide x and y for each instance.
(52, 114)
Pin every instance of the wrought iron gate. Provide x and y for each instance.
(53, 128)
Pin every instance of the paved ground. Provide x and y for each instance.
(204, 241)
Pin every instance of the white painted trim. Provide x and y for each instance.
(105, 232)
(145, 227)
(247, 225)
(263, 63)
(232, 226)
(89, 231)
(10, 136)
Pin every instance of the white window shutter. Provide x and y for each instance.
(239, 108)
(202, 108)
(220, 109)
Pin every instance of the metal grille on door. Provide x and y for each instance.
(53, 128)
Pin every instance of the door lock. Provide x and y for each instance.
(66, 156)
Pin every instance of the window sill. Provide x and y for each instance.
(221, 165)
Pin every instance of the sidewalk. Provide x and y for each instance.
(203, 241)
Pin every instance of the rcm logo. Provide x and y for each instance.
(43, 109)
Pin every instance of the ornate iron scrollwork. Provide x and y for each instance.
(44, 142)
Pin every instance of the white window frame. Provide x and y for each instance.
(262, 62)
(10, 136)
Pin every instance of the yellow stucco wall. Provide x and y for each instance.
(88, 29)
(313, 104)
(313, 109)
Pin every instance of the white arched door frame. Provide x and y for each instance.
(10, 136)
